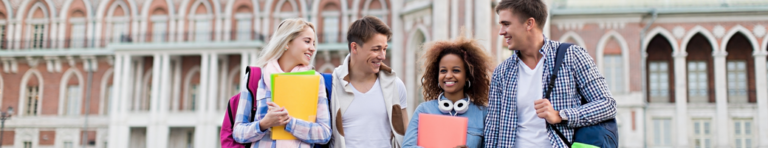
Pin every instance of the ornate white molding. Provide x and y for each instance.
(572, 25)
(32, 62)
(759, 31)
(608, 25)
(678, 32)
(718, 31)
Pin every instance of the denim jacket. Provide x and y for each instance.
(476, 115)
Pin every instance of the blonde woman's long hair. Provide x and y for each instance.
(288, 30)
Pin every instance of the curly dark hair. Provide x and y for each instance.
(476, 60)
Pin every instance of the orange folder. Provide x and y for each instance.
(440, 131)
(298, 94)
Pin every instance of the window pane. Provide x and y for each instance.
(737, 128)
(696, 128)
(330, 29)
(77, 40)
(244, 29)
(747, 128)
(118, 31)
(159, 32)
(73, 100)
(706, 128)
(202, 28)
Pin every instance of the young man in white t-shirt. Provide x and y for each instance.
(368, 101)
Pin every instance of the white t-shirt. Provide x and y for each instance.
(366, 122)
(531, 130)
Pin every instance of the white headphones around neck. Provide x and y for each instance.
(446, 106)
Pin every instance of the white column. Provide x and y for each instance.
(90, 33)
(213, 83)
(179, 30)
(134, 30)
(139, 84)
(218, 29)
(119, 139)
(721, 99)
(254, 58)
(201, 132)
(11, 28)
(153, 134)
(441, 30)
(455, 18)
(398, 50)
(172, 30)
(227, 32)
(176, 85)
(18, 32)
(61, 37)
(468, 10)
(97, 36)
(114, 110)
(209, 127)
(762, 99)
(483, 23)
(54, 31)
(244, 62)
(681, 100)
(161, 124)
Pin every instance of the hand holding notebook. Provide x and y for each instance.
(298, 95)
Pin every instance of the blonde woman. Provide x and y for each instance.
(291, 49)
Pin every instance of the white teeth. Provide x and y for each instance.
(450, 82)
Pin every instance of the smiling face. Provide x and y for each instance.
(452, 77)
(301, 48)
(368, 57)
(516, 32)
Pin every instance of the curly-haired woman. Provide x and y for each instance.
(457, 73)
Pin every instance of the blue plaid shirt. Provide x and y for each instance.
(577, 77)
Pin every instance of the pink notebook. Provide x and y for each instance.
(441, 131)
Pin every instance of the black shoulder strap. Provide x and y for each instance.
(558, 62)
(229, 113)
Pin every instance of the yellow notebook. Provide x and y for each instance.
(298, 94)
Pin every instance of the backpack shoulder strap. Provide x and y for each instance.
(558, 62)
(252, 84)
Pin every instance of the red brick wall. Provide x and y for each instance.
(8, 137)
(47, 137)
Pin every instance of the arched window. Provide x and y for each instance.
(159, 21)
(700, 69)
(244, 23)
(118, 19)
(376, 8)
(660, 70)
(77, 38)
(72, 93)
(330, 16)
(740, 69)
(201, 16)
(37, 22)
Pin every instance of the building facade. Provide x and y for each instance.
(158, 73)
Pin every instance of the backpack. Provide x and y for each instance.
(604, 134)
(252, 84)
(254, 75)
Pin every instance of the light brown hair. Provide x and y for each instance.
(525, 9)
(363, 29)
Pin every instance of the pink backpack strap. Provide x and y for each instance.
(254, 75)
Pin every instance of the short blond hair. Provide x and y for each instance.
(288, 30)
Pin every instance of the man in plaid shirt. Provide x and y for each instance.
(518, 115)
